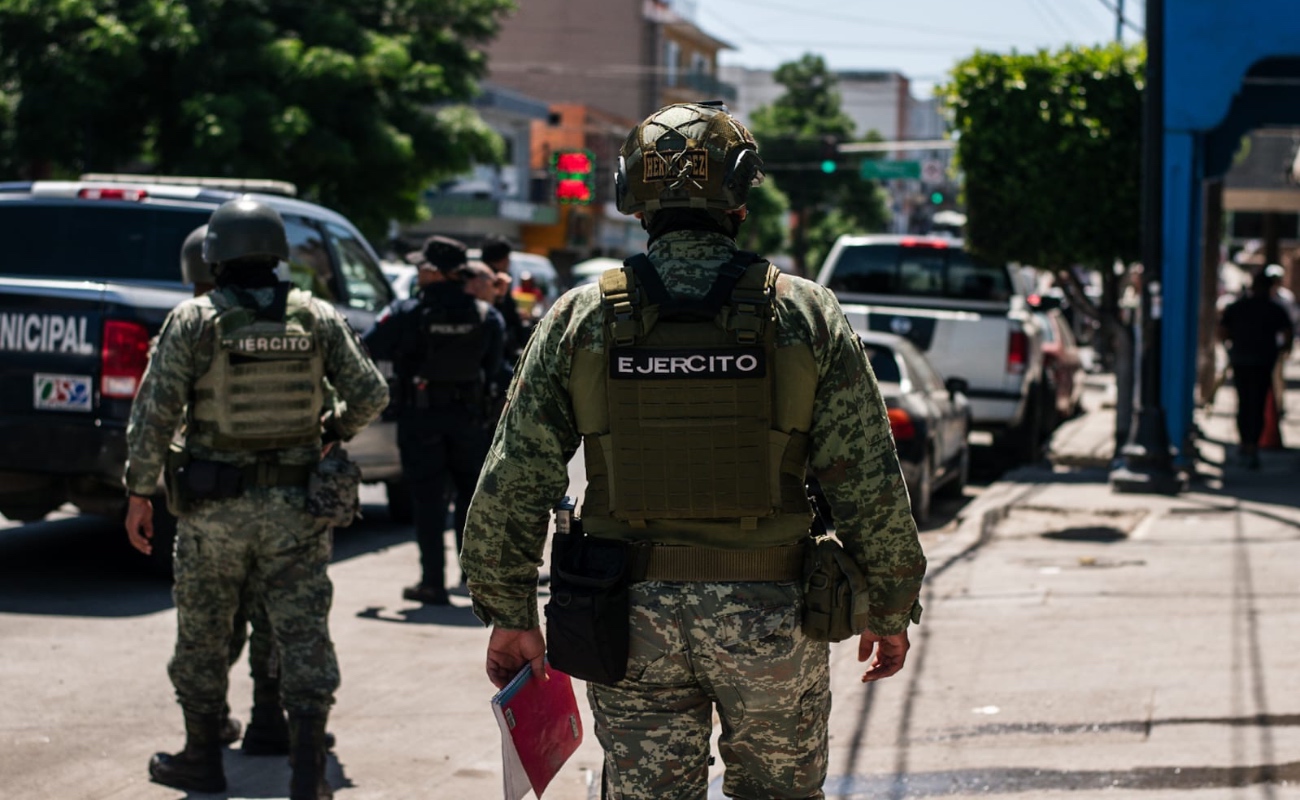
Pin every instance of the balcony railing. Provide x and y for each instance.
(708, 87)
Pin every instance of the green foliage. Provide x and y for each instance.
(790, 134)
(1050, 144)
(765, 229)
(355, 103)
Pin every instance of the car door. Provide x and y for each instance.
(945, 420)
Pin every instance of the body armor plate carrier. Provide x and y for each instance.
(263, 390)
(452, 343)
(689, 385)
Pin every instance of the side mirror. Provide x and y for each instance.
(956, 385)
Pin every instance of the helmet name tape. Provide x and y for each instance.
(679, 167)
(700, 364)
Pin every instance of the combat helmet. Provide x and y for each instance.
(193, 268)
(687, 155)
(243, 228)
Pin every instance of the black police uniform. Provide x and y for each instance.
(445, 345)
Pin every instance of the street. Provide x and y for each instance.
(1074, 640)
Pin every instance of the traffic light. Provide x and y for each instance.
(830, 152)
(936, 198)
(575, 176)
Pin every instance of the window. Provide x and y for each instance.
(309, 261)
(672, 54)
(883, 363)
(365, 285)
(929, 271)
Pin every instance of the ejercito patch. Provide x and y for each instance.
(668, 165)
(687, 363)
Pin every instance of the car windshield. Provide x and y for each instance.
(883, 363)
(95, 242)
(933, 270)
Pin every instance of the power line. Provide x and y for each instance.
(1045, 10)
(1112, 8)
(805, 13)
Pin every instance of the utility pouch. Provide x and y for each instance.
(836, 604)
(211, 480)
(333, 489)
(587, 617)
(179, 500)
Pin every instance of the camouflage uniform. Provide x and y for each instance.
(264, 537)
(695, 646)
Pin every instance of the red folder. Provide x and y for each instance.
(540, 729)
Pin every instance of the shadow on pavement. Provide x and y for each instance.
(452, 616)
(82, 565)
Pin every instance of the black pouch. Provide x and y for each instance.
(587, 617)
(212, 480)
(179, 500)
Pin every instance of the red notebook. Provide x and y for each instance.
(540, 729)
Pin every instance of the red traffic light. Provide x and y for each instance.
(572, 190)
(573, 161)
(575, 176)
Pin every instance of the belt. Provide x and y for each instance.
(269, 474)
(652, 562)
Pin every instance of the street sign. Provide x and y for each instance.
(889, 170)
(932, 171)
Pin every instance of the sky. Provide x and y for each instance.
(922, 39)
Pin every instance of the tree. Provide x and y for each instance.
(765, 229)
(792, 134)
(1050, 145)
(358, 104)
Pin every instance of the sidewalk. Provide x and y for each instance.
(1102, 644)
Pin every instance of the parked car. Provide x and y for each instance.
(929, 417)
(401, 275)
(1062, 364)
(589, 271)
(969, 316)
(91, 269)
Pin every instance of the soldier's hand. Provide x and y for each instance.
(139, 523)
(890, 653)
(509, 650)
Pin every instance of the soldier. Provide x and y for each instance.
(267, 733)
(445, 346)
(239, 484)
(700, 383)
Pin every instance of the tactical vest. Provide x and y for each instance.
(453, 340)
(263, 390)
(693, 415)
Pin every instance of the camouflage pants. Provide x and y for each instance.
(736, 647)
(261, 644)
(265, 540)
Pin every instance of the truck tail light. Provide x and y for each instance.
(106, 193)
(123, 357)
(1017, 352)
(900, 422)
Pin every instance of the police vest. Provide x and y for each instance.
(453, 339)
(264, 389)
(695, 416)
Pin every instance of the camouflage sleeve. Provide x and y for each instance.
(854, 459)
(525, 474)
(356, 379)
(160, 401)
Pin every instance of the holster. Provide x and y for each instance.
(198, 479)
(836, 604)
(179, 500)
(333, 489)
(587, 617)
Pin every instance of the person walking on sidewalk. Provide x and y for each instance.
(1257, 331)
(240, 484)
(445, 346)
(701, 383)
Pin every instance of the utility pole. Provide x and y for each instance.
(1119, 20)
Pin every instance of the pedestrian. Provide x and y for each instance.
(445, 346)
(1257, 331)
(1286, 299)
(481, 282)
(495, 252)
(700, 383)
(267, 733)
(239, 484)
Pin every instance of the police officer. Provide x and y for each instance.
(495, 252)
(267, 733)
(700, 383)
(240, 483)
(445, 346)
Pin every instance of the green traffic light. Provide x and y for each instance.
(936, 197)
(828, 166)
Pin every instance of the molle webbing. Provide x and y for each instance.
(263, 390)
(689, 388)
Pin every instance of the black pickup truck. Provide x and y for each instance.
(88, 271)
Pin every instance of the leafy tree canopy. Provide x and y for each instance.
(764, 231)
(791, 134)
(1050, 144)
(355, 103)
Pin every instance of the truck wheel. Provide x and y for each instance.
(399, 502)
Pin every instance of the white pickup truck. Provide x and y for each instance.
(968, 316)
